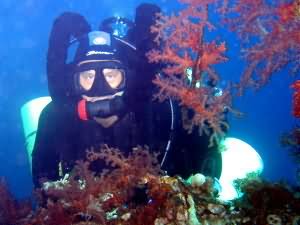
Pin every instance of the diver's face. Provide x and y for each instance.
(101, 82)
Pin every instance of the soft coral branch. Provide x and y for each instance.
(270, 33)
(296, 98)
(208, 109)
(11, 210)
(184, 46)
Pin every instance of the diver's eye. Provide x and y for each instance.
(89, 74)
(86, 79)
(113, 77)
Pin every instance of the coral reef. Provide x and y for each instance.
(137, 193)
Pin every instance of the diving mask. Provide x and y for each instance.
(100, 78)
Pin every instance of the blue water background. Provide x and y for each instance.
(24, 30)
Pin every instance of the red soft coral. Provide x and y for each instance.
(296, 98)
(271, 36)
(11, 210)
(182, 38)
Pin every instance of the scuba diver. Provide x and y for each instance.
(101, 90)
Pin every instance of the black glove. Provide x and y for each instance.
(105, 108)
(145, 17)
(71, 23)
(66, 26)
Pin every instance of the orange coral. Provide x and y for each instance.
(182, 37)
(289, 11)
(209, 109)
(296, 98)
(275, 29)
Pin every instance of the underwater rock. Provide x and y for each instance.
(126, 216)
(274, 219)
(161, 221)
(193, 220)
(196, 180)
(215, 209)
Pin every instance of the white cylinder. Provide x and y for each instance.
(30, 113)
